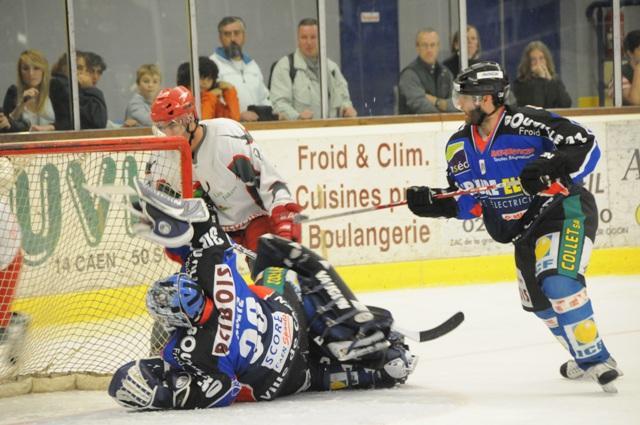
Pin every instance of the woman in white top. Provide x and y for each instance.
(28, 101)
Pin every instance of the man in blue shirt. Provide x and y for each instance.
(538, 161)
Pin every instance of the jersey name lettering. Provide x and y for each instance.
(224, 296)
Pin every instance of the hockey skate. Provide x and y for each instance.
(12, 339)
(571, 370)
(604, 375)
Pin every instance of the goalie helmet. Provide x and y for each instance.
(482, 78)
(176, 302)
(172, 103)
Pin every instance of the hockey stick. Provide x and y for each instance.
(109, 192)
(554, 188)
(429, 334)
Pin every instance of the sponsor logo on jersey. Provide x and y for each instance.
(224, 299)
(513, 216)
(512, 154)
(527, 126)
(281, 341)
(457, 158)
(546, 252)
(572, 241)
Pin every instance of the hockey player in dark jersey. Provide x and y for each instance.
(298, 328)
(538, 159)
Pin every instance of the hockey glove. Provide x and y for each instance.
(282, 223)
(167, 220)
(538, 175)
(140, 385)
(422, 202)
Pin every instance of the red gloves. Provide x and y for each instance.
(282, 222)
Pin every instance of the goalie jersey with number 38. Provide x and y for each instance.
(250, 342)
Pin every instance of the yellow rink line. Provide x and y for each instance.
(127, 302)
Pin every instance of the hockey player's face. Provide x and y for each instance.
(172, 128)
(472, 106)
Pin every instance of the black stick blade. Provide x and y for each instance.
(442, 329)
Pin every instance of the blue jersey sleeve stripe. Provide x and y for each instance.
(589, 163)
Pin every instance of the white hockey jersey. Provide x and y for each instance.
(233, 171)
(10, 237)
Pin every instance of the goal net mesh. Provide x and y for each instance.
(79, 292)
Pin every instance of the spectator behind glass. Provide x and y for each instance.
(93, 108)
(238, 69)
(631, 70)
(148, 78)
(537, 83)
(425, 85)
(95, 66)
(27, 105)
(218, 99)
(296, 93)
(473, 50)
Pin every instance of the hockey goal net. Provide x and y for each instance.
(83, 276)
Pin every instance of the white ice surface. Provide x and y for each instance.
(499, 367)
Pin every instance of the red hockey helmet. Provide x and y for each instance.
(172, 103)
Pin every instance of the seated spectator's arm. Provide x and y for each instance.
(633, 94)
(93, 108)
(230, 96)
(282, 90)
(411, 87)
(563, 100)
(10, 125)
(263, 94)
(139, 110)
(10, 100)
(59, 95)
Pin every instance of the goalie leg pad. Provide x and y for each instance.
(338, 322)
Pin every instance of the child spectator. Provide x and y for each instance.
(27, 105)
(218, 99)
(148, 78)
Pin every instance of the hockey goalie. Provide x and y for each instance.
(13, 325)
(298, 328)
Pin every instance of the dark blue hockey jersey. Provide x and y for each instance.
(248, 346)
(522, 134)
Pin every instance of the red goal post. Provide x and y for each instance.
(84, 275)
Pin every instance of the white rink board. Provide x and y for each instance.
(361, 159)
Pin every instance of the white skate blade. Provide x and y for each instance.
(609, 388)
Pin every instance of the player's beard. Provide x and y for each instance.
(476, 116)
(233, 50)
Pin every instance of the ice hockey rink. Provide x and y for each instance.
(499, 367)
